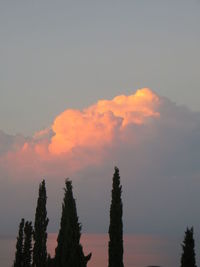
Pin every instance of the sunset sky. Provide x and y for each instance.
(87, 85)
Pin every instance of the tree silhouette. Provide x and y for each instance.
(115, 250)
(69, 252)
(40, 229)
(188, 246)
(50, 261)
(27, 252)
(19, 246)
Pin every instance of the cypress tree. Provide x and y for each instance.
(188, 246)
(69, 252)
(50, 261)
(19, 246)
(27, 252)
(115, 249)
(40, 229)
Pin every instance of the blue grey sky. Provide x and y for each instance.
(57, 55)
(61, 54)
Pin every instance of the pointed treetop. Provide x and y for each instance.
(188, 246)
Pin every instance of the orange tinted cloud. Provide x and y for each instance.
(97, 125)
(78, 139)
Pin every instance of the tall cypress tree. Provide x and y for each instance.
(27, 252)
(19, 246)
(188, 246)
(115, 250)
(69, 252)
(40, 229)
(50, 261)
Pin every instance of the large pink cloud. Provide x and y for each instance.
(79, 138)
(98, 125)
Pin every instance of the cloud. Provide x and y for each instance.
(10, 142)
(154, 142)
(98, 125)
(83, 138)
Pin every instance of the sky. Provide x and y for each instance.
(69, 54)
(87, 85)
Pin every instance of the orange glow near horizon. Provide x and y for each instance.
(97, 125)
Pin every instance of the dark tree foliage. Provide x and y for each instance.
(188, 246)
(40, 229)
(69, 252)
(115, 250)
(50, 261)
(19, 246)
(27, 252)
